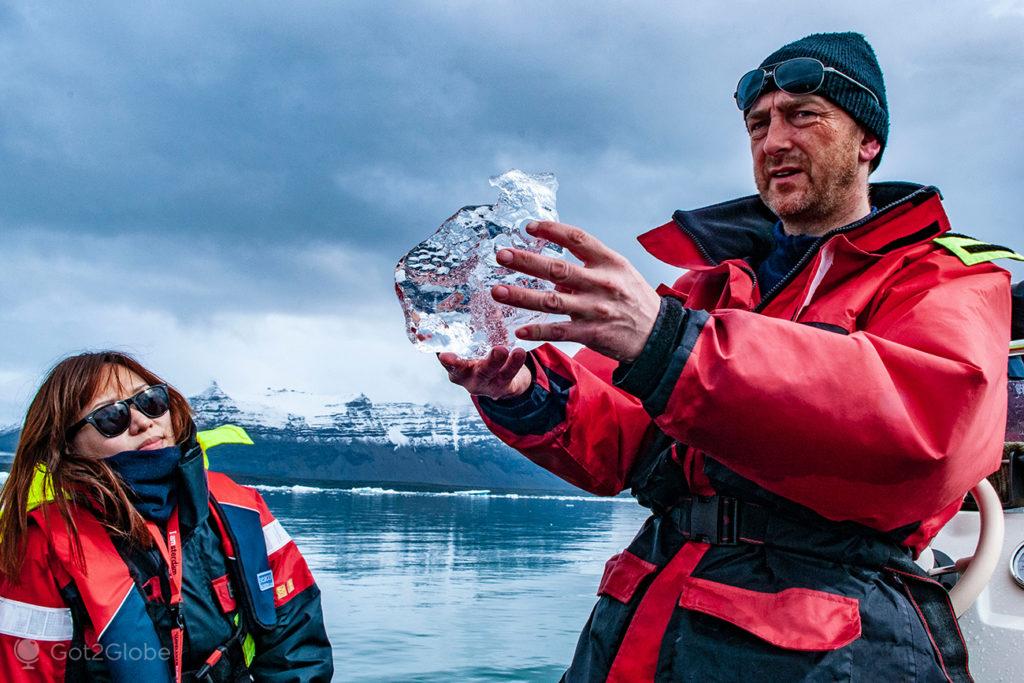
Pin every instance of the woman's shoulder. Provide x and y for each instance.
(50, 535)
(46, 514)
(221, 483)
(37, 563)
(227, 491)
(37, 537)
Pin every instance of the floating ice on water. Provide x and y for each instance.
(444, 283)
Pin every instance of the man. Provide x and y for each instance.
(802, 411)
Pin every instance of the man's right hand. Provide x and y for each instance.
(501, 374)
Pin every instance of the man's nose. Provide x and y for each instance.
(778, 139)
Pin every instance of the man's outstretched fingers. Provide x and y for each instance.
(534, 300)
(457, 367)
(552, 269)
(581, 243)
(491, 365)
(449, 360)
(550, 331)
(515, 360)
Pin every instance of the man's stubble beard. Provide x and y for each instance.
(826, 192)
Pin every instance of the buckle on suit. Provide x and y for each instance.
(714, 520)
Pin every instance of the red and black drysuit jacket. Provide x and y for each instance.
(796, 446)
(249, 608)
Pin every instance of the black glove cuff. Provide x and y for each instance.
(641, 377)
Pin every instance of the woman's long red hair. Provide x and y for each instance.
(77, 481)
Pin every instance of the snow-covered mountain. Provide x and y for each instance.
(302, 436)
(307, 437)
(340, 420)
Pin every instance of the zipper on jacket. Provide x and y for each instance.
(702, 250)
(816, 247)
(700, 245)
(751, 272)
(248, 606)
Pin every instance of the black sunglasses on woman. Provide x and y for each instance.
(114, 418)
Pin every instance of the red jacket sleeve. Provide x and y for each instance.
(35, 624)
(886, 426)
(297, 648)
(595, 443)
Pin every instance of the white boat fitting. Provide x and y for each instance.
(988, 596)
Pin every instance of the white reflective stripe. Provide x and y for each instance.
(275, 537)
(23, 620)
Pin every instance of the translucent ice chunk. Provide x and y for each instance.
(444, 283)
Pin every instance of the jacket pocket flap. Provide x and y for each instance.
(225, 594)
(794, 619)
(622, 574)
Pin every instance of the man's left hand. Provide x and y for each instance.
(611, 307)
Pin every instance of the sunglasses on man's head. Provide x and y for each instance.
(114, 418)
(797, 76)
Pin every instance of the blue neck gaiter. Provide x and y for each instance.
(151, 477)
(788, 251)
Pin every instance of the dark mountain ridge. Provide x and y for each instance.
(300, 437)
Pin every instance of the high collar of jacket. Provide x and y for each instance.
(742, 228)
(151, 476)
(186, 481)
(193, 490)
(186, 485)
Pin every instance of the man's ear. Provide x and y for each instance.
(870, 147)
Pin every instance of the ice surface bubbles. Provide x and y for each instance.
(444, 282)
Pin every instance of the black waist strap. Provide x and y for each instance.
(722, 520)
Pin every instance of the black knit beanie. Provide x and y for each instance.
(851, 54)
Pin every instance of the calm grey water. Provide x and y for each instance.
(428, 586)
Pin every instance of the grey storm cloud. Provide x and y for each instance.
(202, 158)
(282, 123)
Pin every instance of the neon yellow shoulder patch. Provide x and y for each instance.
(40, 491)
(972, 251)
(218, 436)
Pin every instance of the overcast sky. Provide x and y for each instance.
(224, 189)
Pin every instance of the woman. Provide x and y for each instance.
(122, 558)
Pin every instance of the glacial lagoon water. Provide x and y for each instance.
(441, 586)
(432, 586)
